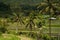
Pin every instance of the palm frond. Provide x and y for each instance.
(32, 23)
(27, 25)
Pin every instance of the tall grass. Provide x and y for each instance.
(9, 37)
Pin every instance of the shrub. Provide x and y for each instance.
(22, 33)
(0, 33)
(46, 37)
(3, 29)
(32, 34)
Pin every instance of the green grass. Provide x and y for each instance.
(15, 37)
(9, 37)
(53, 30)
(55, 25)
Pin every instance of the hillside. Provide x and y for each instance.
(22, 1)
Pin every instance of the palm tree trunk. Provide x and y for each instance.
(49, 17)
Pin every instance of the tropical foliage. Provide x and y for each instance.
(31, 16)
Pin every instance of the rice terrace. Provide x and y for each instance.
(29, 19)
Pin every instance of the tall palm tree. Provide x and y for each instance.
(50, 8)
(31, 23)
(32, 14)
(19, 20)
(47, 7)
(17, 17)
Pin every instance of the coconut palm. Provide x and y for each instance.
(17, 17)
(31, 24)
(48, 7)
(19, 21)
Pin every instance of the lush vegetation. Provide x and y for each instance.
(9, 37)
(29, 18)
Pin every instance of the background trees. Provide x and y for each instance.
(5, 10)
(21, 12)
(28, 15)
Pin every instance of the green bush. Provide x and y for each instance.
(32, 34)
(22, 33)
(46, 37)
(3, 29)
(43, 36)
(54, 38)
(37, 36)
(9, 37)
(0, 33)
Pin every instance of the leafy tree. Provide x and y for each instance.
(3, 25)
(5, 10)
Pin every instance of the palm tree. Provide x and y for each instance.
(50, 8)
(31, 15)
(47, 6)
(31, 23)
(17, 17)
